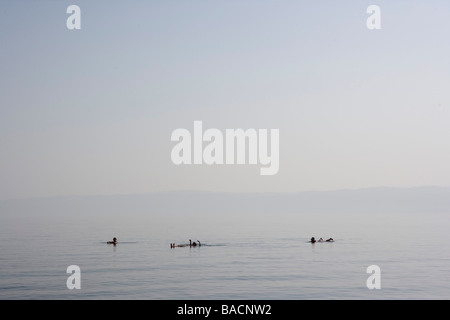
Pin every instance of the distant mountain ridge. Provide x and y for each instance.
(369, 200)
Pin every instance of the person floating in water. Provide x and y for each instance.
(114, 242)
(191, 244)
(313, 240)
(173, 245)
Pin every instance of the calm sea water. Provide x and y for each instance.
(244, 256)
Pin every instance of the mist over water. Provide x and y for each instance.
(244, 254)
(354, 95)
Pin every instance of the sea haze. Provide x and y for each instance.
(254, 245)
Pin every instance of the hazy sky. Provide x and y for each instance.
(91, 111)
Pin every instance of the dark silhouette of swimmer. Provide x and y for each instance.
(330, 240)
(114, 242)
(313, 240)
(192, 244)
(172, 245)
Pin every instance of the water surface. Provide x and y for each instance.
(244, 256)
